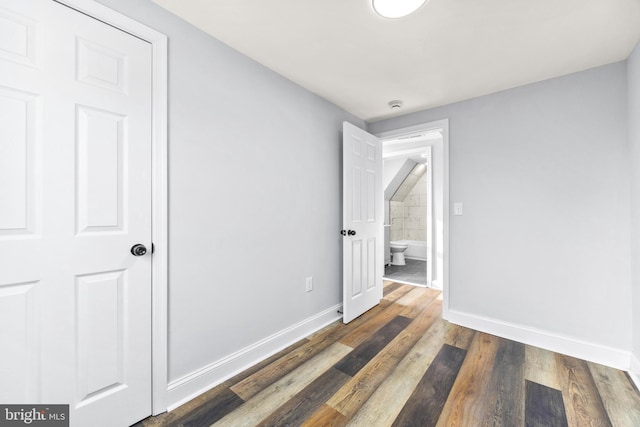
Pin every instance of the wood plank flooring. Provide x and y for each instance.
(400, 364)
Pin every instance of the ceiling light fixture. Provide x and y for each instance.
(396, 8)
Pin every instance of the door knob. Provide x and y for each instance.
(343, 232)
(138, 249)
(351, 232)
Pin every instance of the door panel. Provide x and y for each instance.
(18, 41)
(18, 162)
(99, 170)
(19, 332)
(75, 195)
(100, 335)
(363, 214)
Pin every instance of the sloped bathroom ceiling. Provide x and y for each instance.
(409, 182)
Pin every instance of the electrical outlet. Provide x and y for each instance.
(309, 284)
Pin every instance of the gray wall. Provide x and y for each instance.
(254, 196)
(633, 79)
(543, 173)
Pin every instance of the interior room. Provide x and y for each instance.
(528, 115)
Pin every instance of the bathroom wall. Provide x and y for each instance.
(415, 211)
(408, 207)
(543, 172)
(409, 217)
(397, 220)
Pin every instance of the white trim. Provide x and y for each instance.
(198, 382)
(404, 282)
(403, 153)
(159, 190)
(584, 350)
(634, 370)
(431, 242)
(443, 125)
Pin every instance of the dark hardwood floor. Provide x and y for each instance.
(400, 364)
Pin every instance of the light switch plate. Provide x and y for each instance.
(457, 208)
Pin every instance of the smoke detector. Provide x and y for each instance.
(395, 105)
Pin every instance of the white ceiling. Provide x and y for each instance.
(448, 51)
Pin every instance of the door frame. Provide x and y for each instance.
(159, 187)
(430, 215)
(426, 127)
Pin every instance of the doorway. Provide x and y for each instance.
(408, 213)
(417, 156)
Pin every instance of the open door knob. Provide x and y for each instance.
(138, 250)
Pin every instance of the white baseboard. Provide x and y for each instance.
(190, 386)
(615, 358)
(634, 371)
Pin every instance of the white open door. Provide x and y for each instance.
(75, 197)
(362, 222)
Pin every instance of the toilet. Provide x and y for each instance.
(397, 252)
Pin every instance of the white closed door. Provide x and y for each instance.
(363, 241)
(75, 196)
